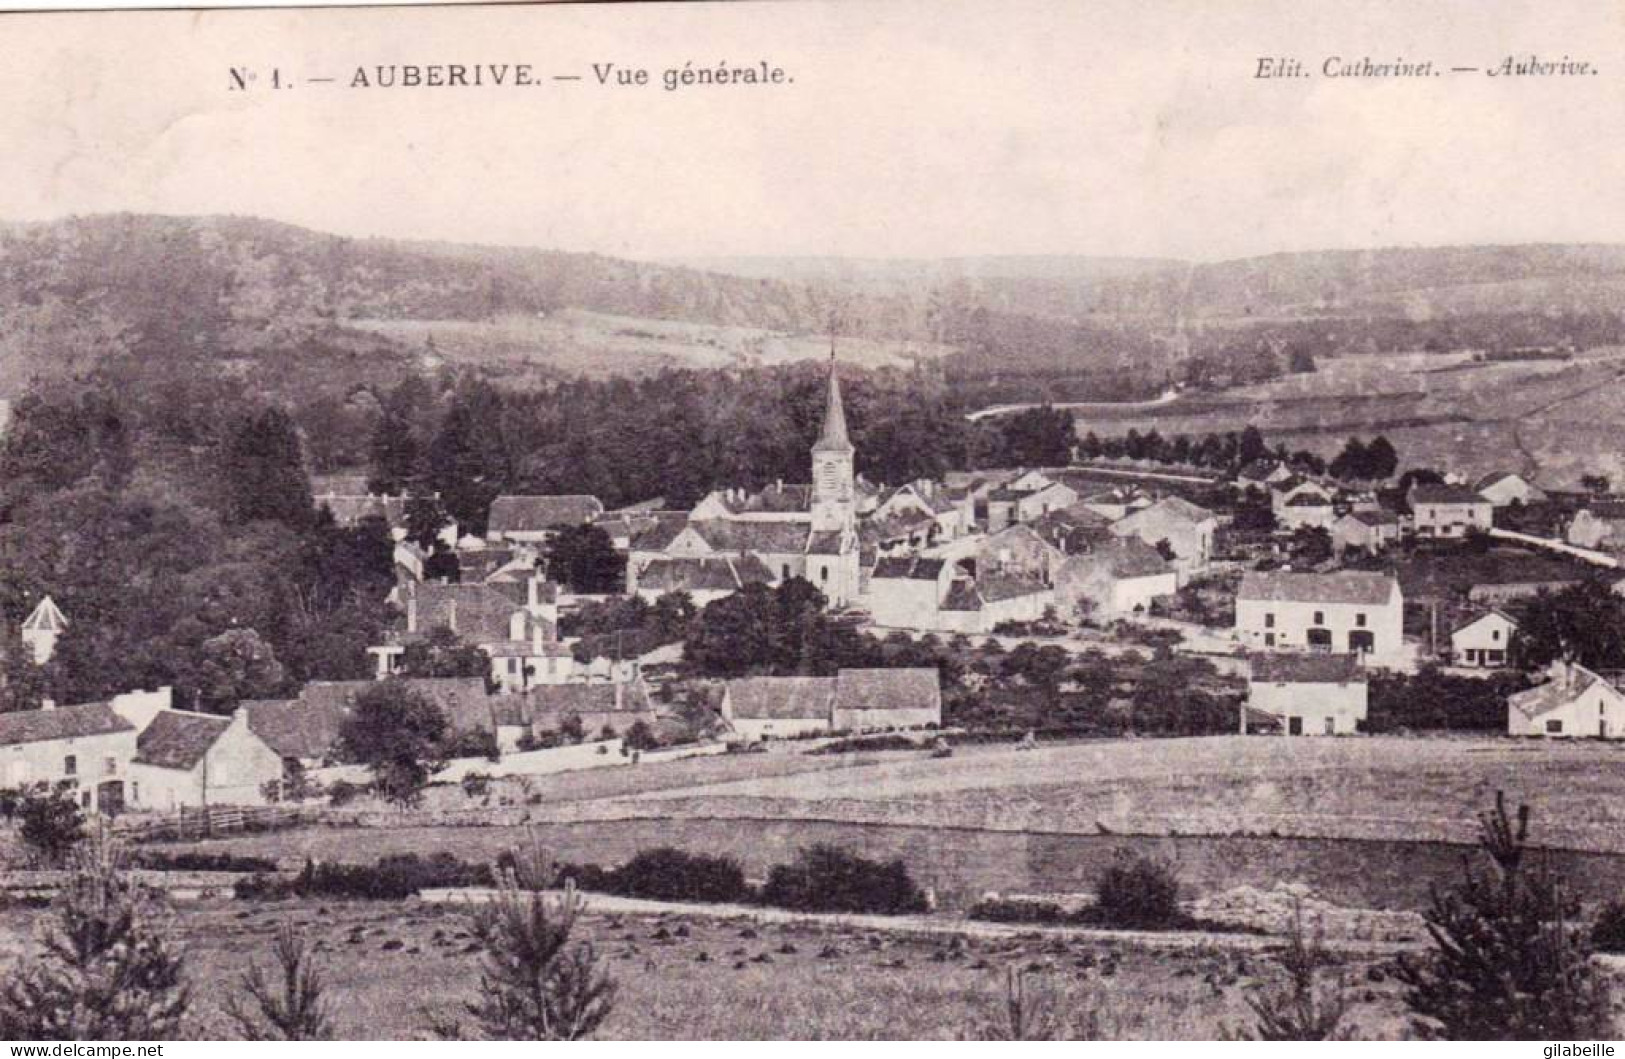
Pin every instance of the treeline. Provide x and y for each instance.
(1376, 460)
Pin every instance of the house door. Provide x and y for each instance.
(1602, 728)
(1362, 640)
(1294, 726)
(1320, 638)
(110, 797)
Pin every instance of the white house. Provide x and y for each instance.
(1118, 580)
(1504, 488)
(1187, 528)
(1448, 510)
(1370, 531)
(42, 628)
(1348, 610)
(1572, 703)
(1307, 694)
(88, 746)
(193, 759)
(1483, 641)
(514, 623)
(936, 594)
(1299, 502)
(1598, 525)
(853, 700)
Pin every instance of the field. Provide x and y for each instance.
(702, 979)
(580, 342)
(1552, 419)
(1366, 822)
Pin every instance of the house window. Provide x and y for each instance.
(84, 799)
(135, 792)
(109, 766)
(1554, 727)
(1495, 634)
(1359, 620)
(70, 766)
(784, 571)
(1269, 639)
(1269, 621)
(823, 573)
(1331, 726)
(1320, 617)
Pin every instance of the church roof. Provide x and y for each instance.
(47, 617)
(834, 437)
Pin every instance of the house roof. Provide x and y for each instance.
(896, 525)
(1258, 470)
(179, 739)
(704, 574)
(531, 514)
(478, 613)
(1071, 529)
(658, 534)
(45, 617)
(1309, 499)
(1555, 693)
(338, 485)
(1176, 507)
(1444, 493)
(309, 726)
(1605, 510)
(551, 701)
(1343, 586)
(1129, 557)
(781, 698)
(768, 535)
(912, 567)
(1491, 613)
(887, 689)
(348, 510)
(1374, 518)
(779, 498)
(1306, 668)
(826, 542)
(62, 722)
(1497, 478)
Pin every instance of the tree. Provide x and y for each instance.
(264, 472)
(469, 462)
(1508, 960)
(1251, 446)
(1353, 463)
(1300, 360)
(293, 1012)
(1595, 484)
(1040, 436)
(441, 653)
(536, 984)
(237, 665)
(584, 559)
(1584, 623)
(106, 974)
(425, 517)
(397, 733)
(50, 823)
(1300, 1009)
(1381, 459)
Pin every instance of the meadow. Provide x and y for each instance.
(695, 978)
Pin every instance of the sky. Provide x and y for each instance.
(910, 129)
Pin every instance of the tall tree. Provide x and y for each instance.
(397, 733)
(264, 474)
(469, 463)
(584, 558)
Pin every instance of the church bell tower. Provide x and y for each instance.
(834, 496)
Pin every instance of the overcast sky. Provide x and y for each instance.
(911, 129)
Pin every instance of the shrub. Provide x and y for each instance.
(1608, 932)
(826, 879)
(535, 983)
(106, 973)
(997, 910)
(641, 737)
(1507, 961)
(392, 878)
(342, 792)
(471, 743)
(1299, 1009)
(296, 1012)
(672, 875)
(476, 784)
(51, 823)
(1138, 892)
(158, 860)
(860, 743)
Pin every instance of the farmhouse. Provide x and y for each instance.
(1484, 641)
(515, 625)
(1019, 550)
(1187, 529)
(1599, 526)
(1572, 703)
(1370, 531)
(1262, 473)
(42, 628)
(1300, 502)
(599, 708)
(88, 746)
(1308, 694)
(1441, 510)
(705, 579)
(916, 592)
(1349, 610)
(192, 759)
(533, 520)
(1505, 488)
(304, 732)
(1117, 580)
(759, 708)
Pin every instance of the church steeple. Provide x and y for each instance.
(834, 494)
(833, 438)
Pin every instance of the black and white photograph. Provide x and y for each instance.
(813, 520)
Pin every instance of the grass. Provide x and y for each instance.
(390, 968)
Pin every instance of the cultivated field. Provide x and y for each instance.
(391, 967)
(1553, 419)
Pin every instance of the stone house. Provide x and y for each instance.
(88, 746)
(1118, 580)
(1484, 641)
(1372, 532)
(1347, 610)
(936, 594)
(533, 520)
(515, 624)
(1572, 703)
(1187, 528)
(1443, 510)
(853, 700)
(194, 759)
(1505, 488)
(1307, 694)
(1600, 526)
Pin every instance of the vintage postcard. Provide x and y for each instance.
(823, 520)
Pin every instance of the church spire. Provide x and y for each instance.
(833, 438)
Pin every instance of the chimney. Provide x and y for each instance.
(47, 704)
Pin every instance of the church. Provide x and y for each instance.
(733, 538)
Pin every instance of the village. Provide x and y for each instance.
(1292, 593)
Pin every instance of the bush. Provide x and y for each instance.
(1608, 933)
(672, 875)
(1000, 910)
(1138, 892)
(867, 742)
(158, 860)
(481, 743)
(392, 878)
(826, 879)
(342, 792)
(641, 737)
(476, 784)
(51, 823)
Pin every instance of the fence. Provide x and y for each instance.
(189, 824)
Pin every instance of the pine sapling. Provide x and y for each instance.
(293, 1012)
